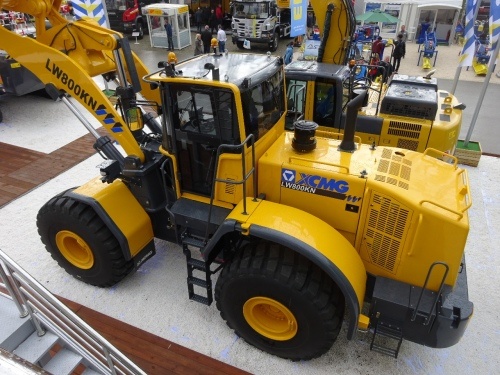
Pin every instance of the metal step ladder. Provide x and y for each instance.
(36, 328)
(19, 336)
(387, 338)
(200, 266)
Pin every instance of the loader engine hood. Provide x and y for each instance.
(333, 185)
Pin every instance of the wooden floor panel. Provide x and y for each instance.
(22, 170)
(153, 354)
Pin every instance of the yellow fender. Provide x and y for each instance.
(120, 210)
(312, 238)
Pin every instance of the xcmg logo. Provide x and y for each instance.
(313, 184)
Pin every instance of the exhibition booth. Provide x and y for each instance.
(178, 17)
(419, 16)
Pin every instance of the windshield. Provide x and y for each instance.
(118, 4)
(251, 10)
(263, 105)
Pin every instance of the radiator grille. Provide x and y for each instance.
(394, 169)
(385, 231)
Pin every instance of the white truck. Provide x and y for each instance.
(260, 22)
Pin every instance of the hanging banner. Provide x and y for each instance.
(470, 39)
(494, 23)
(299, 14)
(93, 9)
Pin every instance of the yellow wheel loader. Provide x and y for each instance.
(304, 228)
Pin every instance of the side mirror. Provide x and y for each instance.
(134, 119)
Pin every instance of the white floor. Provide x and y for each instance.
(155, 298)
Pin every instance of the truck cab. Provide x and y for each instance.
(126, 16)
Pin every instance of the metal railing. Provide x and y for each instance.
(46, 312)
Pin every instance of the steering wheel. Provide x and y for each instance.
(194, 124)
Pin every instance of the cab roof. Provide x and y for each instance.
(316, 69)
(235, 66)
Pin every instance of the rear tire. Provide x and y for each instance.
(280, 302)
(81, 243)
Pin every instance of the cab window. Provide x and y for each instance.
(263, 105)
(296, 98)
(324, 103)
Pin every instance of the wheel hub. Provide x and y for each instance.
(75, 249)
(270, 318)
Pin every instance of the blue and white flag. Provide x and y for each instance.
(494, 22)
(469, 44)
(93, 9)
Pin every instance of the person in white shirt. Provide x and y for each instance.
(221, 38)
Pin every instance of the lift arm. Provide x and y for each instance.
(69, 54)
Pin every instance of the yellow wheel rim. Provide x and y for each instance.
(270, 318)
(75, 249)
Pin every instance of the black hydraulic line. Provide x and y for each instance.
(326, 32)
(129, 60)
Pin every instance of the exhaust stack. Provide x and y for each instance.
(347, 144)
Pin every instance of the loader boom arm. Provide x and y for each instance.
(69, 54)
(337, 21)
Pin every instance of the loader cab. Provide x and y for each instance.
(204, 114)
(315, 92)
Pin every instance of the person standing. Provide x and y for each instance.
(198, 17)
(198, 45)
(378, 47)
(404, 33)
(221, 38)
(288, 54)
(206, 37)
(398, 53)
(213, 22)
(219, 14)
(168, 29)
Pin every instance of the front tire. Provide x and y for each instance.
(274, 46)
(81, 243)
(240, 45)
(280, 302)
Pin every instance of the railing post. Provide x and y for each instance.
(22, 311)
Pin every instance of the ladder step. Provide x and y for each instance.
(200, 299)
(392, 332)
(35, 347)
(64, 362)
(384, 350)
(193, 242)
(197, 264)
(196, 281)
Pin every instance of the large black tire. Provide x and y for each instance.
(274, 46)
(280, 302)
(81, 243)
(240, 45)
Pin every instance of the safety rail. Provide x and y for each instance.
(427, 315)
(46, 312)
(248, 142)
